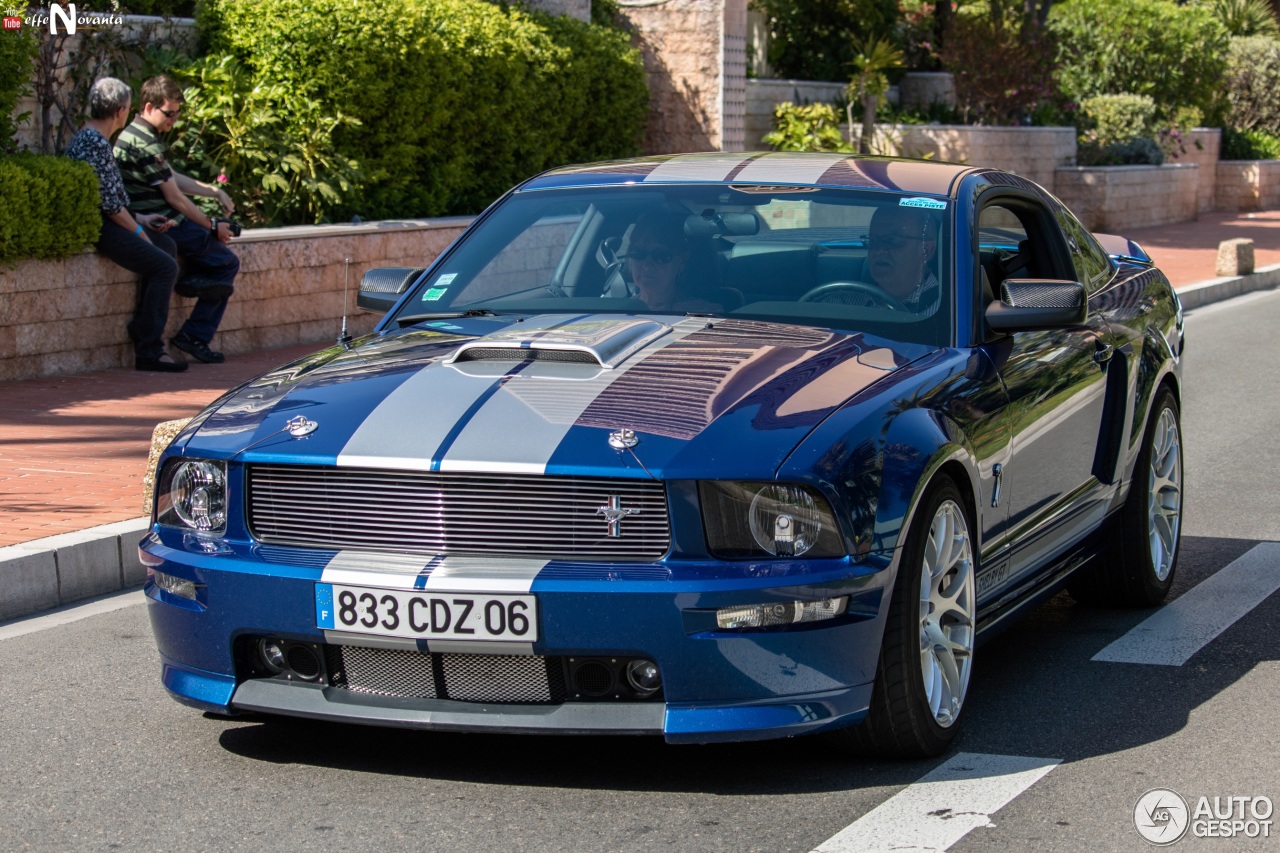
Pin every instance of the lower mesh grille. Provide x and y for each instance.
(499, 679)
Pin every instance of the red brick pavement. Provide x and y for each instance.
(73, 449)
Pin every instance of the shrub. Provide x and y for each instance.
(1253, 85)
(48, 207)
(1172, 53)
(1001, 76)
(814, 127)
(1139, 151)
(1246, 17)
(814, 39)
(1249, 145)
(1118, 118)
(17, 50)
(456, 99)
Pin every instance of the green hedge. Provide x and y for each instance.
(456, 99)
(48, 207)
(1176, 54)
(17, 51)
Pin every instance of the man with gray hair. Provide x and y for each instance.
(123, 239)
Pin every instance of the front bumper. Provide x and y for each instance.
(717, 685)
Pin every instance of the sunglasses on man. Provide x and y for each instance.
(661, 257)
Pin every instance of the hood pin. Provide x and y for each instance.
(623, 439)
(300, 426)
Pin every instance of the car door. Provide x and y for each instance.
(1056, 385)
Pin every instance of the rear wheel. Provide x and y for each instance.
(1142, 552)
(926, 655)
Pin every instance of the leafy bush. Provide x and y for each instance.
(1172, 53)
(814, 127)
(814, 39)
(1001, 76)
(1118, 118)
(1246, 17)
(1249, 145)
(1253, 85)
(1139, 151)
(17, 49)
(48, 207)
(274, 148)
(455, 99)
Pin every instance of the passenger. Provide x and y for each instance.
(656, 258)
(901, 244)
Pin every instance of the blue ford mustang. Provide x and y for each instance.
(717, 447)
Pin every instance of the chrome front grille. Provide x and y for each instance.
(501, 679)
(449, 513)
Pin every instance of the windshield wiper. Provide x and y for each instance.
(410, 319)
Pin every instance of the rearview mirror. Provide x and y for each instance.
(381, 288)
(1029, 304)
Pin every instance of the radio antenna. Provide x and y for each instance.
(343, 337)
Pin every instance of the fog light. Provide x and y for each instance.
(644, 677)
(781, 613)
(272, 654)
(174, 585)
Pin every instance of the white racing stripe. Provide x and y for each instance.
(72, 613)
(710, 167)
(943, 807)
(1177, 631)
(794, 167)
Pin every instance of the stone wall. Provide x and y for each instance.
(1248, 185)
(65, 316)
(1110, 198)
(695, 59)
(1032, 152)
(765, 94)
(1202, 148)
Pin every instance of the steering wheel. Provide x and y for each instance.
(870, 291)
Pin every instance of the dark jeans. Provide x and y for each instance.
(204, 256)
(154, 261)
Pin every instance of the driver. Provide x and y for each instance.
(901, 243)
(656, 258)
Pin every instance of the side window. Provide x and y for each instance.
(1003, 246)
(1093, 267)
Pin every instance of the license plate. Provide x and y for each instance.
(423, 615)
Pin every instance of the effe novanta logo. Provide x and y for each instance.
(66, 17)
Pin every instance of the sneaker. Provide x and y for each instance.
(199, 350)
(163, 364)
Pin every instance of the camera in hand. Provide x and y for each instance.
(234, 227)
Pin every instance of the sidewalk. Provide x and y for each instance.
(73, 449)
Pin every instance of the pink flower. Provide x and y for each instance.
(222, 179)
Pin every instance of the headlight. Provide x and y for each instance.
(746, 520)
(193, 495)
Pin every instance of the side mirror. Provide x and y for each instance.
(1030, 304)
(381, 288)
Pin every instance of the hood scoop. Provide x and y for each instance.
(598, 341)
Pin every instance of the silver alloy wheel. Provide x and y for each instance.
(946, 613)
(1164, 500)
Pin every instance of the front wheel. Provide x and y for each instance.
(926, 656)
(1142, 551)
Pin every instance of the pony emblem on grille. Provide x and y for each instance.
(613, 513)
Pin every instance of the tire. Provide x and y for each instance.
(1141, 556)
(926, 655)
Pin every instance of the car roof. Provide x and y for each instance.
(768, 168)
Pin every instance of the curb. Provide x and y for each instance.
(46, 573)
(56, 570)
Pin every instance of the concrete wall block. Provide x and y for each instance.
(88, 565)
(28, 581)
(127, 535)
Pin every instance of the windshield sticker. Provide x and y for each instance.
(446, 280)
(926, 203)
(434, 293)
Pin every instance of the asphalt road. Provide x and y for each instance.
(94, 756)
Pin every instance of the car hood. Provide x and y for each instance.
(546, 394)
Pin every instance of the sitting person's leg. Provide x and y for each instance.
(207, 260)
(153, 260)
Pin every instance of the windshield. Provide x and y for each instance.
(842, 259)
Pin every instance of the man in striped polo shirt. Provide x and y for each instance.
(154, 187)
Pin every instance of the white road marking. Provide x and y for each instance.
(72, 613)
(1174, 633)
(943, 807)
